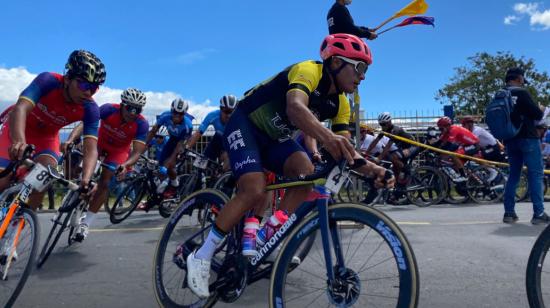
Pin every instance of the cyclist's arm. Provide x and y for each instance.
(138, 148)
(18, 120)
(152, 133)
(194, 138)
(301, 117)
(76, 133)
(90, 159)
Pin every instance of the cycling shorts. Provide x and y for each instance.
(113, 158)
(250, 150)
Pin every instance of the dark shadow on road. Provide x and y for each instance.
(56, 265)
(518, 229)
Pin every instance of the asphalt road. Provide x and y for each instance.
(466, 256)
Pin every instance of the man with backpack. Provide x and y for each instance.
(522, 145)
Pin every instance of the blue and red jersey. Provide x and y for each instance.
(117, 135)
(51, 112)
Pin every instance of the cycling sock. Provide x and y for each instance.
(175, 182)
(215, 236)
(90, 217)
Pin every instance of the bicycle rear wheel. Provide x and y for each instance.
(181, 235)
(22, 236)
(537, 271)
(127, 201)
(427, 186)
(373, 262)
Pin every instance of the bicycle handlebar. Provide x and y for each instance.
(12, 167)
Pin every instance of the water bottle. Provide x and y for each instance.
(271, 226)
(162, 186)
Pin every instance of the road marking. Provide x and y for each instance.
(413, 223)
(127, 229)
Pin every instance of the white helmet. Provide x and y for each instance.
(384, 117)
(180, 105)
(228, 101)
(162, 131)
(133, 97)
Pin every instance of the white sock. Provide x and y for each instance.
(206, 252)
(492, 175)
(90, 217)
(175, 182)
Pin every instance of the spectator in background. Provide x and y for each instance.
(524, 148)
(340, 21)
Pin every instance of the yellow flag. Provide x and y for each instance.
(417, 7)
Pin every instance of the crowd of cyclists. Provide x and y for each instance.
(277, 126)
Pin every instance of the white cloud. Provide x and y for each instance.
(14, 80)
(538, 19)
(511, 20)
(541, 19)
(526, 8)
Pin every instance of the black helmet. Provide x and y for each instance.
(86, 65)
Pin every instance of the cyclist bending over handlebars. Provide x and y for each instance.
(49, 103)
(121, 125)
(257, 136)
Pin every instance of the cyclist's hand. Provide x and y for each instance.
(86, 190)
(339, 147)
(120, 172)
(384, 178)
(16, 150)
(316, 156)
(373, 35)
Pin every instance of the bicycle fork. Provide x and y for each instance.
(329, 235)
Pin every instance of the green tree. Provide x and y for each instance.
(474, 85)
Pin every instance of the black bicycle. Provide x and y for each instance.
(358, 255)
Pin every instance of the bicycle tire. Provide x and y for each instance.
(31, 220)
(535, 268)
(482, 193)
(435, 182)
(162, 295)
(49, 246)
(185, 188)
(138, 188)
(397, 246)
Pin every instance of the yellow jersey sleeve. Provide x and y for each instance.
(305, 76)
(340, 123)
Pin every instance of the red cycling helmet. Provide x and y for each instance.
(345, 45)
(444, 122)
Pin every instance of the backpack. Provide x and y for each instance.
(498, 115)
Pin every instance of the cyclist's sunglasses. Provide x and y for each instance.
(133, 109)
(360, 66)
(179, 114)
(84, 85)
(227, 110)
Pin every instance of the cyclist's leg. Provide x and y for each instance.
(244, 153)
(168, 160)
(35, 198)
(296, 164)
(5, 142)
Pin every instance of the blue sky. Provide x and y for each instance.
(202, 50)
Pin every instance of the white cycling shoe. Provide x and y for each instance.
(198, 274)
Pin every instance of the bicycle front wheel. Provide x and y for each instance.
(21, 240)
(537, 271)
(127, 201)
(373, 263)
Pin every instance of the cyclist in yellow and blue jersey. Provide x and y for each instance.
(258, 136)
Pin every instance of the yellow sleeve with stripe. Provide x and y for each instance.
(340, 123)
(305, 76)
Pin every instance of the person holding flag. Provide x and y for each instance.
(340, 21)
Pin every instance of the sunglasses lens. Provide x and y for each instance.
(361, 67)
(87, 86)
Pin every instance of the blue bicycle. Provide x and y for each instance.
(343, 254)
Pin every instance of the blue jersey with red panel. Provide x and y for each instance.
(115, 134)
(178, 132)
(51, 111)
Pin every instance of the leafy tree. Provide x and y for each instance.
(473, 86)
